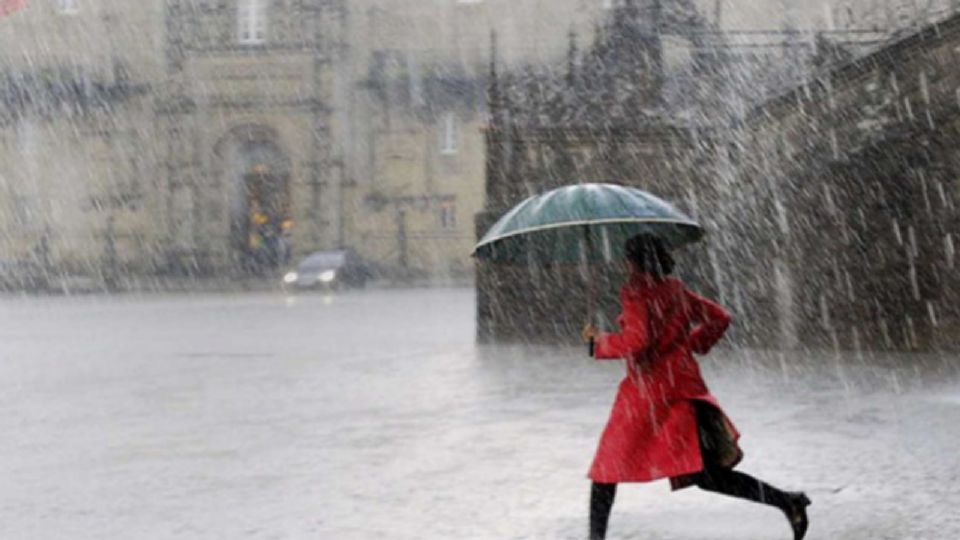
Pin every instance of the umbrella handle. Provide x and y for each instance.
(591, 287)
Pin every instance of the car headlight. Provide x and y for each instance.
(290, 278)
(328, 276)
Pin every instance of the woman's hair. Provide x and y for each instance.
(649, 254)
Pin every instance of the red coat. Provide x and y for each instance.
(652, 432)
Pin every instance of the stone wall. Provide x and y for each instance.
(855, 173)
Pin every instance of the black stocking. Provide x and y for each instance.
(601, 502)
(742, 486)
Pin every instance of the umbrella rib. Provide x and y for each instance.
(583, 223)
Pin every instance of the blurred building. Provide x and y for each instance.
(171, 137)
(214, 137)
(831, 198)
(249, 125)
(419, 109)
(77, 154)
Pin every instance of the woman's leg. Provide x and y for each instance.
(601, 502)
(744, 486)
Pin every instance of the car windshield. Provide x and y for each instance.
(324, 260)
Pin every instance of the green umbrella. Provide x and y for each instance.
(581, 224)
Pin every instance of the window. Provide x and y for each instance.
(448, 216)
(449, 134)
(68, 7)
(252, 22)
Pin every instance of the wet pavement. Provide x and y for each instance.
(374, 415)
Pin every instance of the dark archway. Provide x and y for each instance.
(257, 174)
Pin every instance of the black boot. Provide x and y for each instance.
(796, 511)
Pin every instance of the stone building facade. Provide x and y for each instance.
(420, 111)
(140, 140)
(248, 131)
(186, 133)
(76, 152)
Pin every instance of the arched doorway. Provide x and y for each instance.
(257, 171)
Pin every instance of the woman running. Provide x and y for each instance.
(665, 423)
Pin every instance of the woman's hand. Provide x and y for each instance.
(589, 333)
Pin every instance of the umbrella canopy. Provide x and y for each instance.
(584, 222)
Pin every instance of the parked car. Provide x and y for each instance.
(328, 270)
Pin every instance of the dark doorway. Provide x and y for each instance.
(267, 222)
(261, 222)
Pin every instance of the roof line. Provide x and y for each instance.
(932, 32)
